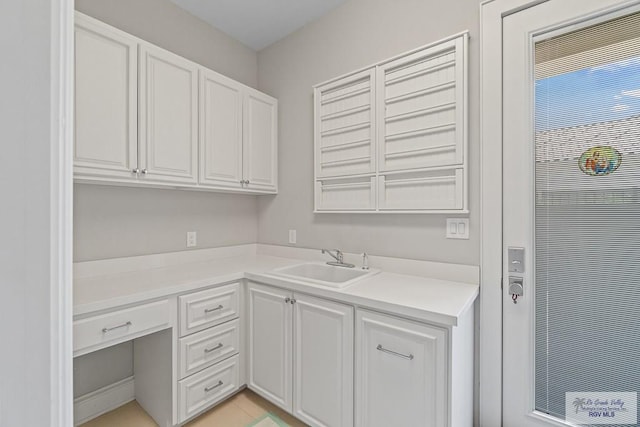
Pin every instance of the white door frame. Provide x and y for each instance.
(490, 376)
(61, 213)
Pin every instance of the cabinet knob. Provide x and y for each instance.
(136, 171)
(287, 300)
(144, 171)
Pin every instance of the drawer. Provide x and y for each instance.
(201, 390)
(119, 326)
(201, 310)
(206, 348)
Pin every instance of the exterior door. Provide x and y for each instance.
(571, 80)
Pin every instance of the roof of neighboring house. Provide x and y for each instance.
(569, 143)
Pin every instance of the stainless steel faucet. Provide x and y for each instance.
(339, 258)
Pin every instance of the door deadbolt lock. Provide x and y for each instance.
(516, 288)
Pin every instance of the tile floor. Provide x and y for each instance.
(237, 411)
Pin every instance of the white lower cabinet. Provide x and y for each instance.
(401, 372)
(270, 344)
(323, 361)
(301, 354)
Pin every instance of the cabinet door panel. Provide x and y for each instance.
(401, 376)
(220, 130)
(422, 108)
(323, 362)
(345, 126)
(260, 138)
(425, 190)
(270, 347)
(168, 117)
(106, 140)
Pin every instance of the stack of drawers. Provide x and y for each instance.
(209, 344)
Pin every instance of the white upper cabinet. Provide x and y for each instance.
(238, 136)
(260, 141)
(106, 68)
(168, 116)
(393, 138)
(147, 116)
(220, 131)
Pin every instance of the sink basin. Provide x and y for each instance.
(323, 274)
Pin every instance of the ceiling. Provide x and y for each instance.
(258, 23)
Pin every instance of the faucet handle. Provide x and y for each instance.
(365, 261)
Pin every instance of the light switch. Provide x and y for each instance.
(457, 228)
(292, 237)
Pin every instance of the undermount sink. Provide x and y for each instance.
(323, 274)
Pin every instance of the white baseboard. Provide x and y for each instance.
(103, 400)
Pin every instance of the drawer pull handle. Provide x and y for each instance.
(124, 325)
(213, 387)
(404, 356)
(209, 350)
(211, 310)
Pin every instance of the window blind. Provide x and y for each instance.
(587, 212)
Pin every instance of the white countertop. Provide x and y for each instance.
(432, 300)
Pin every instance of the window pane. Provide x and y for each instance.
(587, 227)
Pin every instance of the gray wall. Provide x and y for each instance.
(119, 221)
(29, 152)
(112, 222)
(352, 36)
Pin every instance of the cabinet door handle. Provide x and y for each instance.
(211, 310)
(209, 350)
(213, 387)
(404, 356)
(124, 325)
(287, 300)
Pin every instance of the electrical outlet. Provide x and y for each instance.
(292, 237)
(457, 228)
(191, 239)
